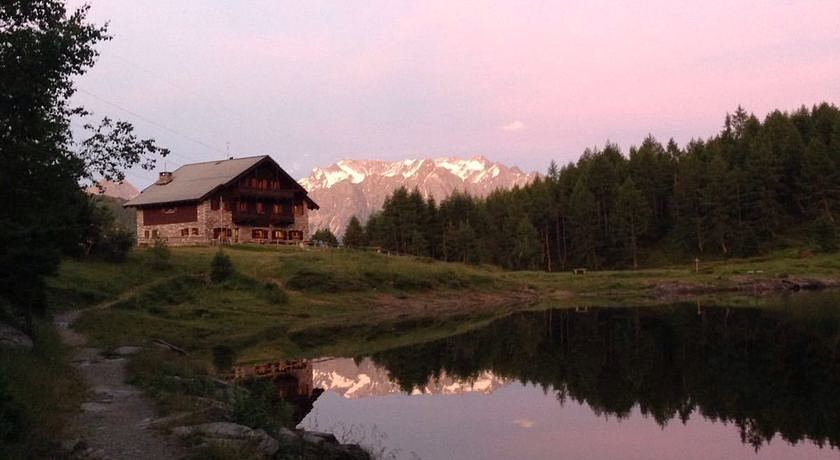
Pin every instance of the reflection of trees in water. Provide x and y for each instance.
(767, 371)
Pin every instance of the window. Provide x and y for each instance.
(298, 209)
(169, 210)
(275, 184)
(295, 235)
(243, 206)
(146, 234)
(185, 232)
(226, 205)
(260, 207)
(277, 208)
(278, 235)
(214, 203)
(263, 184)
(155, 233)
(194, 231)
(259, 234)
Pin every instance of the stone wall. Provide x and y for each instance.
(171, 233)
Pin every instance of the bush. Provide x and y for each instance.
(310, 280)
(221, 268)
(114, 245)
(104, 236)
(325, 237)
(223, 358)
(261, 407)
(174, 291)
(825, 234)
(275, 294)
(160, 253)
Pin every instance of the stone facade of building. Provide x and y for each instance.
(211, 224)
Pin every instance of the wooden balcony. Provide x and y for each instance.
(253, 192)
(262, 220)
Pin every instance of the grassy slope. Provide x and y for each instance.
(639, 287)
(350, 302)
(350, 292)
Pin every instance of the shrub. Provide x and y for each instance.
(825, 234)
(174, 291)
(113, 244)
(275, 294)
(325, 237)
(261, 407)
(223, 358)
(159, 253)
(104, 236)
(310, 280)
(221, 268)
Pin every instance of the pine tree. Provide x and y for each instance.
(526, 245)
(354, 235)
(819, 180)
(633, 215)
(583, 215)
(717, 201)
(325, 236)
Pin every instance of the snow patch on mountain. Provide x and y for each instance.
(359, 187)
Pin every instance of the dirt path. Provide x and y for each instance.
(113, 423)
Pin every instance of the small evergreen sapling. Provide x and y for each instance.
(221, 268)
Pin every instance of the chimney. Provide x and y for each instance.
(164, 178)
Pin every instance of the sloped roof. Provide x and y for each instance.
(194, 181)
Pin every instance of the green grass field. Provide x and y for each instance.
(290, 301)
(278, 294)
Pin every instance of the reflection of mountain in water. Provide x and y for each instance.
(767, 371)
(351, 380)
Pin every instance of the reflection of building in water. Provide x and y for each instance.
(292, 379)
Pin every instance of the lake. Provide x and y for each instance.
(682, 381)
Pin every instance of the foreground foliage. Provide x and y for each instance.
(43, 212)
(39, 391)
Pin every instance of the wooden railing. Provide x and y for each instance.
(265, 219)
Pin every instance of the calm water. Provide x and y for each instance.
(678, 382)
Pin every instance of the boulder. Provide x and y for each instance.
(313, 444)
(231, 434)
(127, 350)
(318, 438)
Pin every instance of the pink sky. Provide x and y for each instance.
(522, 82)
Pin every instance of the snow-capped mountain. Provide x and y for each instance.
(359, 187)
(352, 381)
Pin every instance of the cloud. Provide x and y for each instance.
(513, 126)
(524, 422)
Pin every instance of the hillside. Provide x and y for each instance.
(359, 187)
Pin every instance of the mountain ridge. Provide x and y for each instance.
(358, 187)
